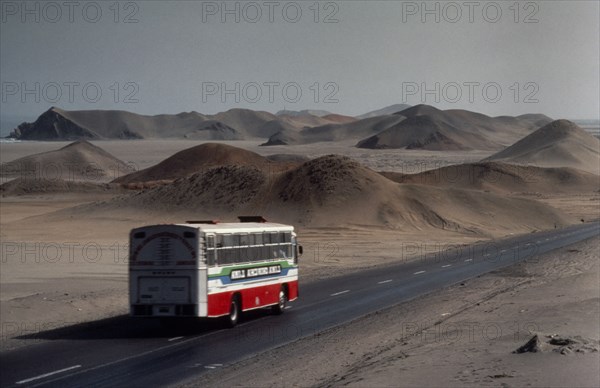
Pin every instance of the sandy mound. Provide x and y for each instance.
(311, 118)
(197, 159)
(501, 177)
(336, 190)
(215, 191)
(560, 143)
(274, 126)
(432, 129)
(288, 158)
(80, 160)
(251, 124)
(340, 119)
(58, 124)
(388, 110)
(424, 132)
(335, 132)
(25, 186)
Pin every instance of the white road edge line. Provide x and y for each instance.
(419, 272)
(47, 374)
(384, 281)
(174, 339)
(469, 260)
(340, 293)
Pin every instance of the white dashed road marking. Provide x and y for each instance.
(419, 272)
(384, 281)
(47, 374)
(340, 293)
(174, 339)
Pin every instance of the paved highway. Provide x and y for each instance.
(121, 351)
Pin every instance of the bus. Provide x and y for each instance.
(212, 269)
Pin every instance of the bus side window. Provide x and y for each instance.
(236, 255)
(210, 250)
(265, 252)
(245, 239)
(275, 238)
(210, 255)
(227, 241)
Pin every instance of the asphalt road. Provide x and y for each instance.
(122, 351)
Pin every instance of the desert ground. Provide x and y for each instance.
(64, 261)
(74, 269)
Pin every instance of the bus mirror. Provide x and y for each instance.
(300, 250)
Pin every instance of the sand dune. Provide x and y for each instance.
(275, 126)
(504, 178)
(335, 132)
(336, 190)
(29, 186)
(341, 119)
(560, 143)
(288, 158)
(388, 110)
(300, 121)
(196, 159)
(303, 121)
(249, 123)
(80, 160)
(432, 129)
(58, 124)
(213, 191)
(425, 132)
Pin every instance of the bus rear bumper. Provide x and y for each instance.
(163, 310)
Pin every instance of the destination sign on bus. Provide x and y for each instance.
(247, 273)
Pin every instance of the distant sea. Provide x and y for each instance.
(8, 123)
(591, 126)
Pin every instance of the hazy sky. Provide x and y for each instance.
(348, 57)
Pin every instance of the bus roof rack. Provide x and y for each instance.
(212, 222)
(260, 219)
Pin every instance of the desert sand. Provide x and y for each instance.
(64, 243)
(560, 143)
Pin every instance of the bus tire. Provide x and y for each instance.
(280, 306)
(234, 311)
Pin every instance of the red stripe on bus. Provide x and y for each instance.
(218, 304)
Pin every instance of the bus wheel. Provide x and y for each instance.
(280, 306)
(234, 311)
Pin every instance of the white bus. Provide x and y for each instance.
(212, 269)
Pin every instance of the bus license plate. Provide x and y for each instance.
(164, 310)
